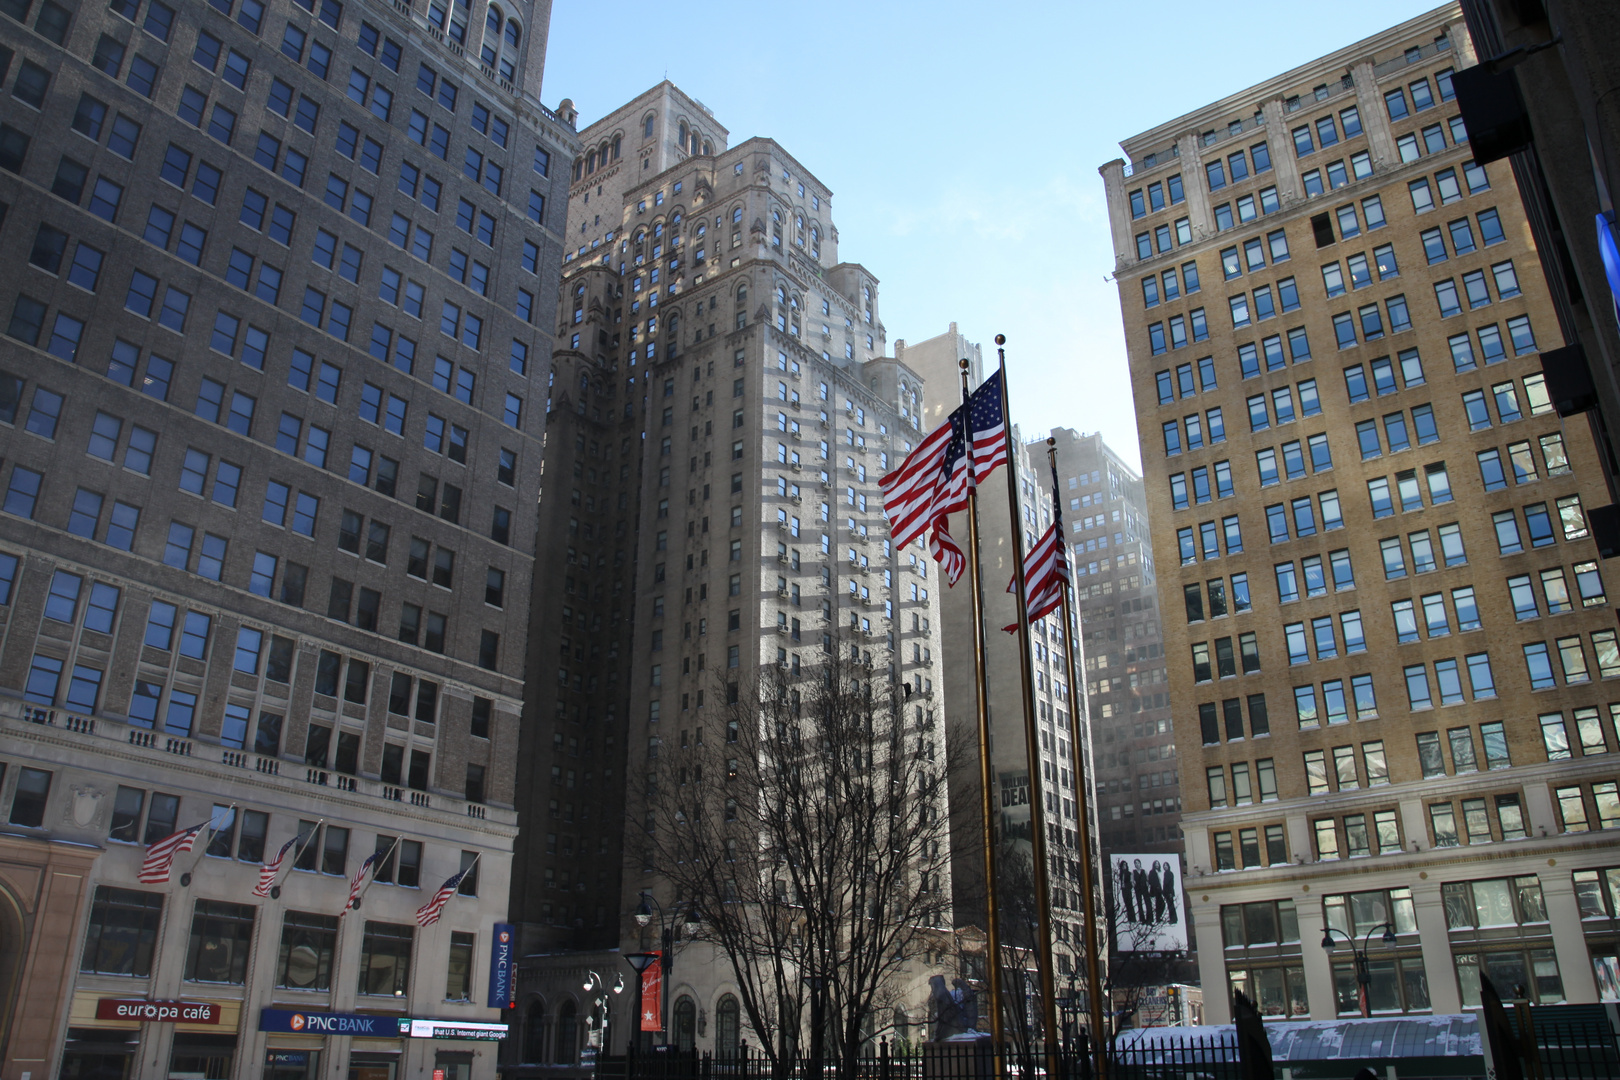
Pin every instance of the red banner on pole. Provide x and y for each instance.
(652, 996)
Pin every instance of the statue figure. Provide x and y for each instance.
(967, 1004)
(947, 1012)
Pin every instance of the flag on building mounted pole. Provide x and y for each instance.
(268, 872)
(429, 913)
(1046, 575)
(359, 881)
(160, 856)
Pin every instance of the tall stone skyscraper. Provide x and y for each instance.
(282, 285)
(1390, 657)
(723, 410)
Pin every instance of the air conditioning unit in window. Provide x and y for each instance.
(795, 499)
(796, 467)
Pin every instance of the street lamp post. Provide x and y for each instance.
(666, 954)
(601, 1005)
(1363, 974)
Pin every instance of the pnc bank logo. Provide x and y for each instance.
(297, 1022)
(506, 935)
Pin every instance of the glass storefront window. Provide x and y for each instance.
(1530, 973)
(204, 1056)
(1279, 992)
(373, 1066)
(292, 1064)
(99, 1054)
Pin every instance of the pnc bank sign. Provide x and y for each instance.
(294, 1022)
(162, 1012)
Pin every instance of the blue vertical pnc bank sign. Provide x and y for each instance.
(502, 952)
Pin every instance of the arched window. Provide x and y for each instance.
(695, 142)
(685, 1024)
(567, 1033)
(618, 140)
(647, 127)
(579, 168)
(492, 36)
(682, 137)
(534, 1033)
(590, 163)
(602, 155)
(708, 148)
(742, 297)
(727, 1028)
(815, 241)
(736, 215)
(781, 294)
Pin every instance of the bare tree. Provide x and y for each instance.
(811, 834)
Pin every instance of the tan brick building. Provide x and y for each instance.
(267, 536)
(1389, 638)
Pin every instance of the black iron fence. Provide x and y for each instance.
(1205, 1058)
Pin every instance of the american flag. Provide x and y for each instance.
(989, 426)
(160, 856)
(909, 491)
(933, 482)
(428, 913)
(359, 880)
(268, 872)
(1046, 575)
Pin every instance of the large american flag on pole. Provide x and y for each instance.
(160, 856)
(429, 913)
(933, 481)
(268, 872)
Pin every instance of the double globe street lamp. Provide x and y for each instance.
(1363, 973)
(666, 954)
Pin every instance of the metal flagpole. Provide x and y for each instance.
(297, 853)
(185, 878)
(1037, 801)
(1089, 877)
(992, 931)
(375, 864)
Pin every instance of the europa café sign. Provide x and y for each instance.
(162, 1012)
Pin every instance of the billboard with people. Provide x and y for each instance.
(1148, 912)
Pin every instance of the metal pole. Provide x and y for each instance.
(980, 664)
(664, 964)
(1082, 807)
(1032, 746)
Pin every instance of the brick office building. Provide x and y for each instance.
(1389, 640)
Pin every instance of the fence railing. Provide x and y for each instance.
(1207, 1058)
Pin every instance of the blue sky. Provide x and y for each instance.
(961, 142)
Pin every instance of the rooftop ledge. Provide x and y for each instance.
(208, 759)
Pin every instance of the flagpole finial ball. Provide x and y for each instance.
(1051, 440)
(1001, 339)
(963, 364)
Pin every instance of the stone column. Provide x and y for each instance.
(1569, 937)
(1206, 918)
(1317, 960)
(1436, 942)
(1374, 117)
